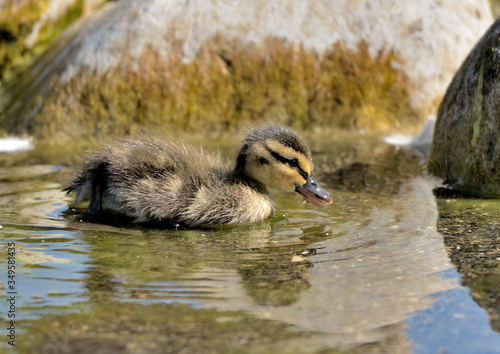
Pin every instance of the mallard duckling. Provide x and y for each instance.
(156, 180)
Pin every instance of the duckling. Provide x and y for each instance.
(155, 180)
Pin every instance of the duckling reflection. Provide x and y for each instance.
(276, 279)
(156, 180)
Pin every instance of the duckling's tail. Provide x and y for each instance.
(90, 184)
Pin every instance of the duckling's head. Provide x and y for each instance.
(276, 157)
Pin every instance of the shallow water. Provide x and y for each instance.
(370, 273)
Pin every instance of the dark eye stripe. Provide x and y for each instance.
(287, 161)
(303, 173)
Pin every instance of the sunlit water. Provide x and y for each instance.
(368, 273)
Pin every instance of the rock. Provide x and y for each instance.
(466, 149)
(55, 10)
(206, 63)
(27, 27)
(431, 36)
(420, 145)
(495, 7)
(472, 244)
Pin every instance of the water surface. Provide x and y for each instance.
(370, 273)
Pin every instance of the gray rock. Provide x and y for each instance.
(432, 37)
(466, 149)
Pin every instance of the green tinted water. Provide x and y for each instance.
(369, 273)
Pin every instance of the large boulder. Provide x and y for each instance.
(466, 150)
(363, 64)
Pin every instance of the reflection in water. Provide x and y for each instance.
(470, 228)
(454, 324)
(365, 283)
(305, 279)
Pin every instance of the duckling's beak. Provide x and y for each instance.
(314, 193)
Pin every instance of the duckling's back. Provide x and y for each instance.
(151, 179)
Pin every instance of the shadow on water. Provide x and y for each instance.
(370, 273)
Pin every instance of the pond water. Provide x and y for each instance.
(370, 273)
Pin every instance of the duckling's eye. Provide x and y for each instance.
(263, 161)
(293, 163)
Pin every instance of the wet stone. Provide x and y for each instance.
(470, 232)
(465, 150)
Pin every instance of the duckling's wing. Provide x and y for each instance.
(156, 179)
(157, 159)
